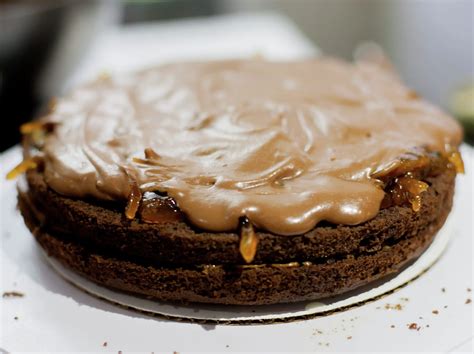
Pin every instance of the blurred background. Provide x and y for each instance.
(48, 46)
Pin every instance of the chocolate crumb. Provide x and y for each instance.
(413, 326)
(397, 307)
(12, 294)
(428, 325)
(469, 290)
(350, 337)
(15, 318)
(392, 326)
(105, 344)
(468, 301)
(443, 290)
(435, 312)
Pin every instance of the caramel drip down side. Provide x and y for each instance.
(248, 241)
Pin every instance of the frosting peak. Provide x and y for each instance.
(286, 144)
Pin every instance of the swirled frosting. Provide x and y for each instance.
(286, 144)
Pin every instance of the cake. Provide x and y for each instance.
(243, 182)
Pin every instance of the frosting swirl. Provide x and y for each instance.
(286, 144)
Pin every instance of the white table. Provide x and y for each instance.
(55, 316)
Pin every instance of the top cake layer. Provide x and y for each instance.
(286, 144)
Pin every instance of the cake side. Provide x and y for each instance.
(105, 229)
(256, 284)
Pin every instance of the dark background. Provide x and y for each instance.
(429, 42)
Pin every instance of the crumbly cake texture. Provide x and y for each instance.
(205, 267)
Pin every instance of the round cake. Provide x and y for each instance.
(239, 181)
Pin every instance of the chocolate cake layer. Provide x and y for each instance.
(402, 236)
(104, 229)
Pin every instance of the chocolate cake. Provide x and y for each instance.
(239, 182)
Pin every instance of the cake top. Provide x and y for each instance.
(285, 144)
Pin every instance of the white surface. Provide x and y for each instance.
(136, 46)
(55, 316)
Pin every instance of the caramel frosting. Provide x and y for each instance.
(285, 144)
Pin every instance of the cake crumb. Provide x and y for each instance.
(469, 290)
(468, 301)
(413, 326)
(445, 306)
(397, 307)
(15, 318)
(435, 312)
(12, 294)
(392, 326)
(227, 345)
(420, 318)
(105, 344)
(404, 299)
(428, 326)
(443, 290)
(350, 337)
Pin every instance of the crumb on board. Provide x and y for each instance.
(413, 326)
(435, 312)
(12, 294)
(15, 318)
(392, 326)
(104, 344)
(397, 307)
(350, 337)
(468, 301)
(469, 290)
(443, 290)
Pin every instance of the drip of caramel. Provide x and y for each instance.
(134, 200)
(27, 164)
(248, 241)
(407, 189)
(156, 209)
(455, 158)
